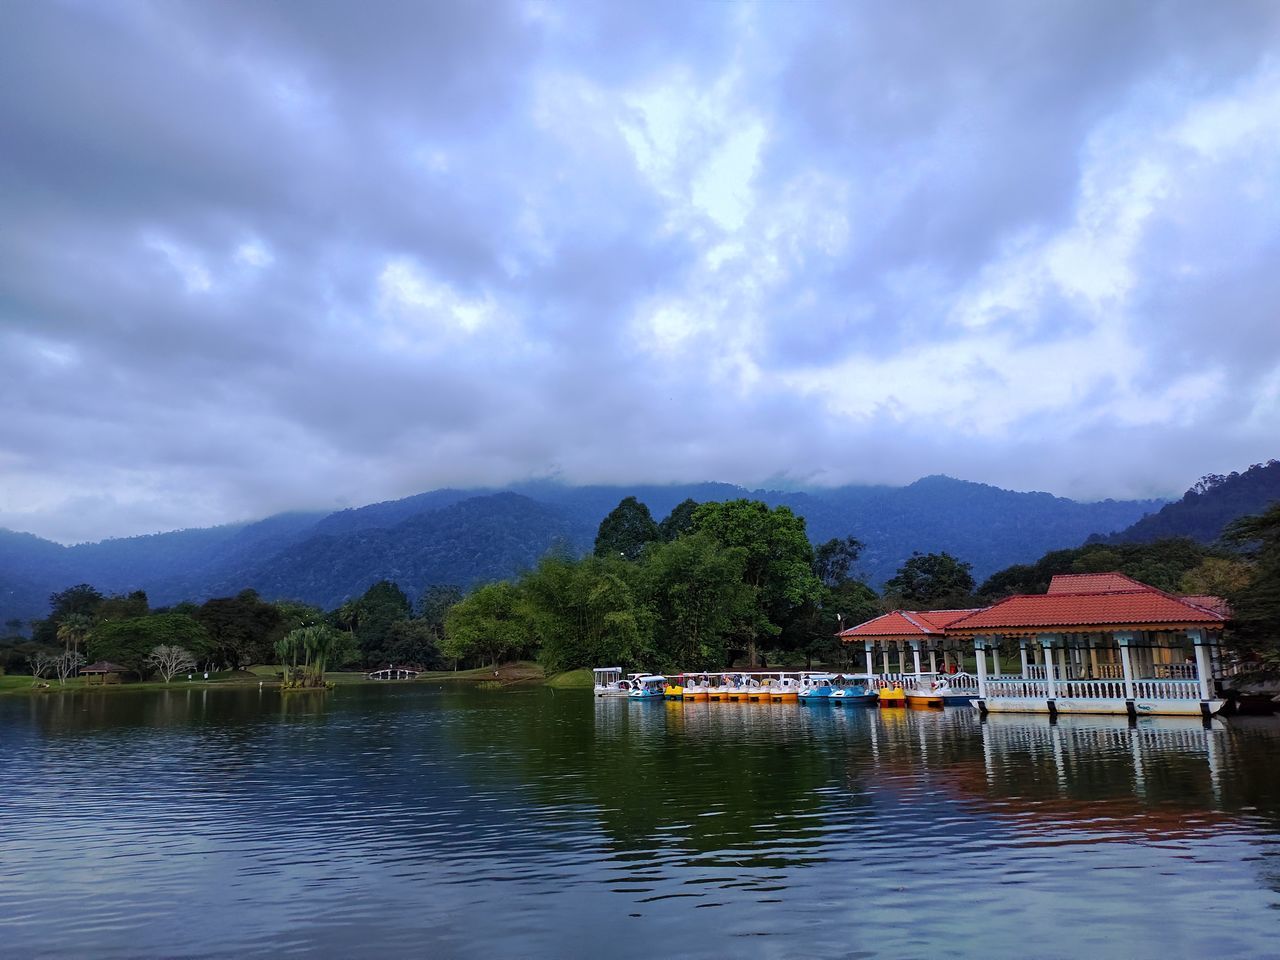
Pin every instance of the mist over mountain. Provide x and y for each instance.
(470, 536)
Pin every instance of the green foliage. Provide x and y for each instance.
(1162, 564)
(779, 561)
(679, 521)
(626, 530)
(123, 607)
(307, 651)
(1255, 606)
(833, 561)
(372, 616)
(241, 629)
(414, 643)
(130, 642)
(487, 626)
(696, 588)
(582, 613)
(931, 581)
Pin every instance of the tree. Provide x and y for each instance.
(834, 560)
(42, 661)
(486, 626)
(1216, 577)
(169, 660)
(931, 581)
(74, 629)
(1255, 605)
(779, 561)
(313, 646)
(697, 590)
(130, 642)
(679, 521)
(626, 530)
(414, 643)
(584, 612)
(241, 629)
(382, 605)
(67, 664)
(123, 607)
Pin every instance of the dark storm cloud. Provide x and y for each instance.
(260, 256)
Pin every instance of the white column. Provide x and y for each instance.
(902, 657)
(1063, 674)
(1047, 643)
(870, 668)
(980, 648)
(1126, 663)
(995, 660)
(1204, 670)
(933, 660)
(1022, 652)
(1093, 657)
(915, 655)
(884, 654)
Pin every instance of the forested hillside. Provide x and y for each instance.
(465, 537)
(1207, 508)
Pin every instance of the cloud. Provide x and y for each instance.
(265, 256)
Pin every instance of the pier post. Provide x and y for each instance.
(980, 648)
(1126, 663)
(1046, 641)
(1204, 670)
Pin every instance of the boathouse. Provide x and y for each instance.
(1094, 643)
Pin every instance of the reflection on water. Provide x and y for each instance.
(411, 820)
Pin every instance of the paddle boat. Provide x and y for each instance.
(891, 696)
(783, 687)
(853, 691)
(696, 687)
(674, 690)
(609, 682)
(815, 687)
(649, 686)
(939, 691)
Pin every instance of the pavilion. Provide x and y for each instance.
(1094, 643)
(102, 669)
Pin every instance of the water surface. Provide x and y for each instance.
(417, 820)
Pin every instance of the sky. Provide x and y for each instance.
(306, 255)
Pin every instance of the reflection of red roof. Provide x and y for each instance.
(1143, 606)
(1094, 583)
(907, 623)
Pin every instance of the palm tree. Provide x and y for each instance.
(74, 628)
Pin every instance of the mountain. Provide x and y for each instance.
(1205, 510)
(468, 536)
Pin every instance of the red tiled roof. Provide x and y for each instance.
(941, 619)
(1146, 606)
(1094, 583)
(907, 623)
(1216, 604)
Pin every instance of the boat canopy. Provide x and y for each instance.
(617, 670)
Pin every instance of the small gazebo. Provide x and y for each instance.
(101, 669)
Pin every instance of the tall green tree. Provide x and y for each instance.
(381, 606)
(833, 561)
(779, 561)
(74, 630)
(241, 630)
(1255, 606)
(486, 626)
(679, 521)
(931, 581)
(697, 590)
(585, 612)
(626, 530)
(130, 642)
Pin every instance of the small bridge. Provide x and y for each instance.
(393, 673)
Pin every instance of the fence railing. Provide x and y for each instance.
(1092, 689)
(1175, 671)
(1038, 689)
(1166, 689)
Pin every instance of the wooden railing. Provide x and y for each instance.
(1175, 671)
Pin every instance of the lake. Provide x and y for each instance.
(443, 821)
